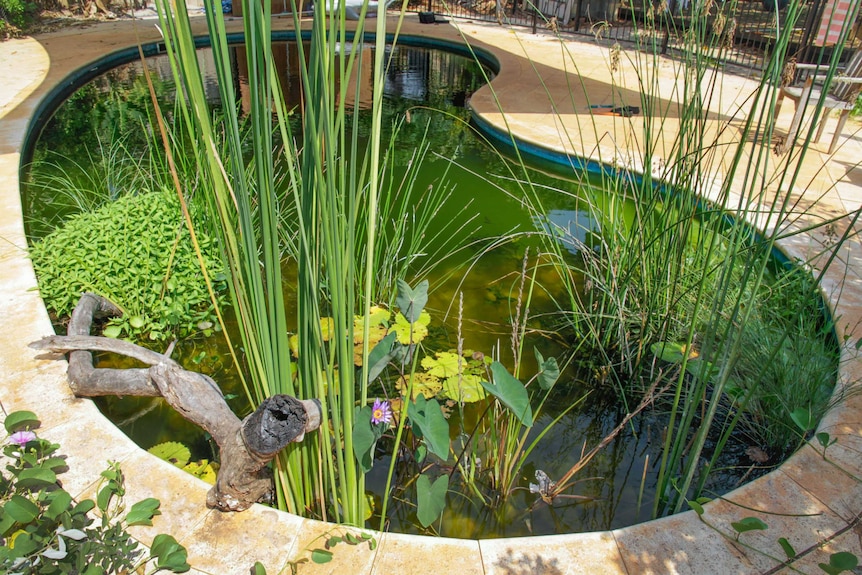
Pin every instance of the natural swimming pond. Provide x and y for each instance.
(616, 490)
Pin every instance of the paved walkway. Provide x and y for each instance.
(544, 100)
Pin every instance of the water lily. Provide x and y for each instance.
(22, 438)
(381, 412)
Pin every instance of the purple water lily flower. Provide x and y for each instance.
(22, 438)
(381, 412)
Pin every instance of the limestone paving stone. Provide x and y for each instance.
(787, 509)
(239, 540)
(679, 545)
(345, 558)
(581, 554)
(419, 555)
(835, 487)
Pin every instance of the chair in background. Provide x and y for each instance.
(841, 95)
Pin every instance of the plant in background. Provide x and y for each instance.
(43, 530)
(667, 269)
(135, 252)
(336, 206)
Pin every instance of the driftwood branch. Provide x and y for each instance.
(245, 447)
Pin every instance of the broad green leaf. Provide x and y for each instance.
(411, 333)
(113, 331)
(749, 524)
(365, 436)
(143, 511)
(380, 356)
(169, 554)
(431, 498)
(511, 393)
(697, 507)
(61, 501)
(444, 364)
(824, 439)
(412, 301)
(321, 556)
(428, 417)
(36, 477)
(840, 562)
(172, 452)
(670, 352)
(549, 371)
(787, 547)
(20, 420)
(205, 470)
(258, 568)
(21, 509)
(422, 384)
(803, 418)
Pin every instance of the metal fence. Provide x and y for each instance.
(750, 35)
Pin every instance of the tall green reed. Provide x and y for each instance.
(672, 270)
(333, 198)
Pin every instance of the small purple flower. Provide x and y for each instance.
(381, 412)
(22, 438)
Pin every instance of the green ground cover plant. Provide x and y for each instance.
(135, 252)
(43, 530)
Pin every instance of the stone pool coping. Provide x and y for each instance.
(812, 503)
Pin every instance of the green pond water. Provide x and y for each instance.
(619, 489)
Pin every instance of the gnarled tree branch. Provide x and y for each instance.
(245, 446)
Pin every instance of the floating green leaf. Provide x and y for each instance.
(205, 470)
(511, 393)
(431, 498)
(444, 364)
(411, 333)
(465, 389)
(172, 452)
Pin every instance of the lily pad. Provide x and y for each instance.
(411, 334)
(423, 383)
(172, 452)
(443, 364)
(466, 389)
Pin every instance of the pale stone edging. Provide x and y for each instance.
(230, 543)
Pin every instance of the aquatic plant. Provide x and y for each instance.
(136, 252)
(673, 271)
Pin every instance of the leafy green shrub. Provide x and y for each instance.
(42, 530)
(137, 253)
(12, 12)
